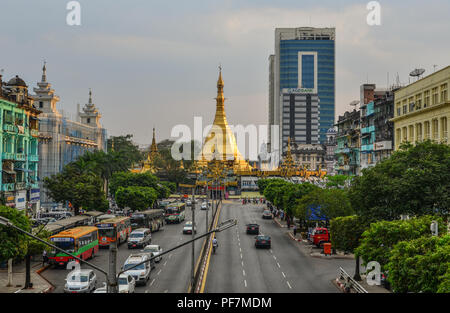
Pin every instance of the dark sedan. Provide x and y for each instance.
(253, 229)
(262, 241)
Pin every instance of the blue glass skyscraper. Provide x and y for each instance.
(304, 59)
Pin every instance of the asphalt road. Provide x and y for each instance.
(172, 274)
(239, 267)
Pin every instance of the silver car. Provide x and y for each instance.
(80, 281)
(153, 250)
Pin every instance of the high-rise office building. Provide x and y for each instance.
(304, 59)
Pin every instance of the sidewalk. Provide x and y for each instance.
(40, 285)
(309, 248)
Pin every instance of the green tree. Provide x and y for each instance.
(126, 149)
(13, 244)
(379, 239)
(345, 235)
(330, 203)
(136, 197)
(293, 193)
(420, 265)
(274, 191)
(128, 179)
(82, 188)
(337, 181)
(414, 180)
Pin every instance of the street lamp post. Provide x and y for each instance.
(193, 236)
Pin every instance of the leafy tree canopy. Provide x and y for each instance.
(414, 180)
(136, 197)
(13, 244)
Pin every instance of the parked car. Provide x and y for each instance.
(80, 281)
(267, 214)
(127, 283)
(262, 241)
(188, 228)
(204, 206)
(154, 250)
(139, 238)
(141, 273)
(253, 229)
(319, 236)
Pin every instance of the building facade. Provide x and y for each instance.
(304, 58)
(348, 143)
(384, 128)
(300, 117)
(61, 139)
(330, 148)
(19, 155)
(422, 110)
(309, 156)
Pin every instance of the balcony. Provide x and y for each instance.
(342, 150)
(33, 158)
(369, 129)
(366, 148)
(19, 157)
(7, 156)
(34, 132)
(10, 128)
(21, 185)
(8, 187)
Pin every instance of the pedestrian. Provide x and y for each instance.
(295, 230)
(44, 257)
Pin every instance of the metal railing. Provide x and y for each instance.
(355, 285)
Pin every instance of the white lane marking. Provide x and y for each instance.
(245, 283)
(158, 272)
(152, 282)
(170, 255)
(243, 272)
(242, 263)
(271, 251)
(278, 265)
(283, 275)
(241, 255)
(147, 291)
(165, 263)
(289, 285)
(275, 257)
(166, 291)
(240, 250)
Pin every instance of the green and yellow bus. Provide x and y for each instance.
(175, 212)
(80, 241)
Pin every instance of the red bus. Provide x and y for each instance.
(121, 226)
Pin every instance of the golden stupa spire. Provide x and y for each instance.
(154, 147)
(220, 143)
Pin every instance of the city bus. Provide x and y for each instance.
(80, 241)
(120, 226)
(152, 219)
(175, 212)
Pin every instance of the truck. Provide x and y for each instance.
(319, 236)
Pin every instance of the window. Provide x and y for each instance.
(411, 133)
(444, 133)
(444, 92)
(426, 101)
(404, 107)
(427, 130)
(398, 105)
(418, 101)
(405, 137)
(419, 131)
(434, 129)
(41, 104)
(435, 96)
(88, 120)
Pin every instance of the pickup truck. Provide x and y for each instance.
(319, 236)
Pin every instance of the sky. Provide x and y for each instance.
(155, 63)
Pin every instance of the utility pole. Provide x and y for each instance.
(193, 236)
(112, 286)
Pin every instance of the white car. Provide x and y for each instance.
(155, 250)
(188, 202)
(80, 281)
(141, 273)
(204, 206)
(188, 228)
(101, 289)
(126, 283)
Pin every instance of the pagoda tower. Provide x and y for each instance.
(220, 143)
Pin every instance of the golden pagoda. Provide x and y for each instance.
(149, 164)
(220, 143)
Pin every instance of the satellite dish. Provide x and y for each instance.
(417, 72)
(354, 103)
